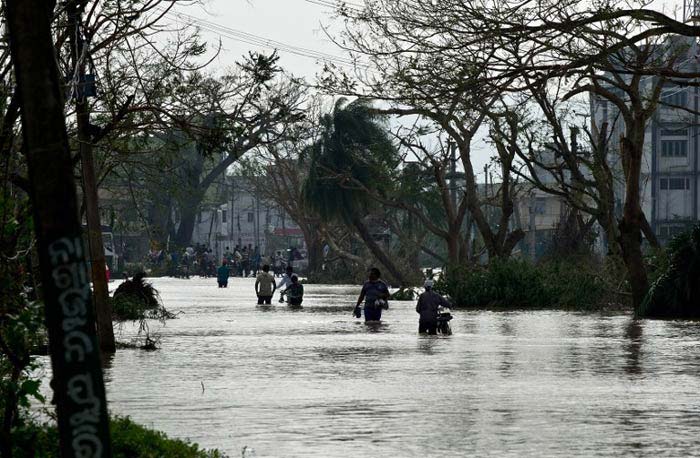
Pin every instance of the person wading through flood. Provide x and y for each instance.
(295, 292)
(375, 294)
(427, 307)
(265, 286)
(284, 282)
(222, 274)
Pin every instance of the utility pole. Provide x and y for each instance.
(78, 385)
(257, 218)
(79, 91)
(486, 193)
(532, 226)
(453, 173)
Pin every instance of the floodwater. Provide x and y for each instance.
(319, 383)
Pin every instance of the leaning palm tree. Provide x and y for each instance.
(352, 158)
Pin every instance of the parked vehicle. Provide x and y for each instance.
(444, 317)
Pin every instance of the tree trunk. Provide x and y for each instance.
(9, 414)
(630, 240)
(158, 221)
(648, 232)
(314, 248)
(103, 308)
(78, 384)
(454, 248)
(632, 216)
(377, 251)
(612, 235)
(189, 210)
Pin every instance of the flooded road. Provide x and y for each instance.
(319, 383)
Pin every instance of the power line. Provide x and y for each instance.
(335, 4)
(256, 40)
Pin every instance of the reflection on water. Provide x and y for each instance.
(317, 382)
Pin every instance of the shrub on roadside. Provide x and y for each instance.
(405, 294)
(676, 291)
(135, 299)
(129, 440)
(572, 283)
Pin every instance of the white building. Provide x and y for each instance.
(245, 219)
(670, 176)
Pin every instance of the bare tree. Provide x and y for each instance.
(406, 65)
(251, 107)
(614, 50)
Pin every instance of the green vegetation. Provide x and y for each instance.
(136, 299)
(676, 292)
(578, 283)
(405, 294)
(129, 440)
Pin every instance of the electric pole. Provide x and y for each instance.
(78, 385)
(453, 174)
(79, 93)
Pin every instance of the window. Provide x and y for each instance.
(250, 217)
(674, 148)
(681, 132)
(674, 184)
(678, 183)
(540, 205)
(224, 215)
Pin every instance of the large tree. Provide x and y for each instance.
(90, 38)
(617, 51)
(252, 106)
(405, 68)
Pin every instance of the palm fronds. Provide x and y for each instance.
(676, 293)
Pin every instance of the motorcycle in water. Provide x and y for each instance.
(443, 321)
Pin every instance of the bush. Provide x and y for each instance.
(676, 291)
(135, 299)
(129, 440)
(405, 294)
(574, 283)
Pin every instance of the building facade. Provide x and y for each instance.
(245, 219)
(670, 178)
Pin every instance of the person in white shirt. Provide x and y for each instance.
(284, 282)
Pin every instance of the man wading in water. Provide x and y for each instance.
(295, 292)
(265, 286)
(427, 307)
(375, 294)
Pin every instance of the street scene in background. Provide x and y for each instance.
(329, 228)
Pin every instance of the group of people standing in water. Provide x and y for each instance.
(265, 285)
(374, 295)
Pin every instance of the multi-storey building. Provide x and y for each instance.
(670, 179)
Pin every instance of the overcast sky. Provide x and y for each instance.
(295, 23)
